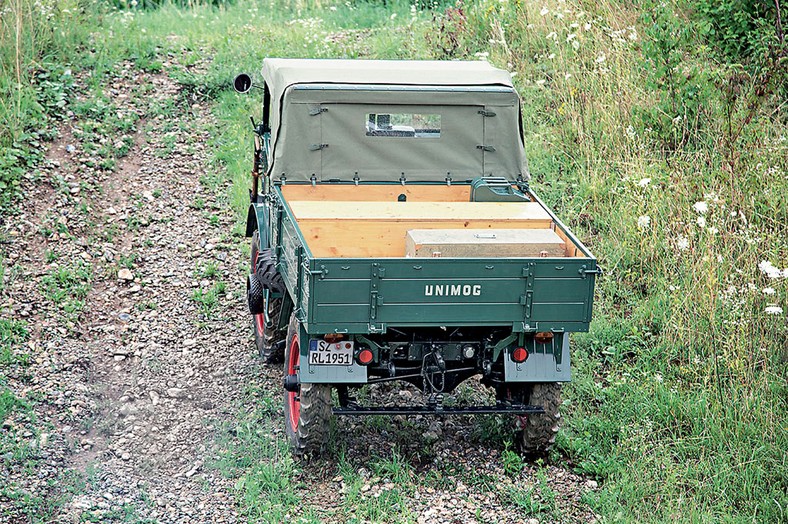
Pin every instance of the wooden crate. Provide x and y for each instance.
(498, 243)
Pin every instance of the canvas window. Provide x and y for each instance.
(405, 125)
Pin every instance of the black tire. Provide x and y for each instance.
(308, 412)
(539, 431)
(267, 339)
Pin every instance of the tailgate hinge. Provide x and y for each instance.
(317, 110)
(486, 112)
(486, 148)
(527, 299)
(375, 299)
(317, 147)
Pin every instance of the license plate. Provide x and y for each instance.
(322, 353)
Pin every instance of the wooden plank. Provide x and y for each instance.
(419, 211)
(571, 248)
(386, 238)
(498, 243)
(378, 193)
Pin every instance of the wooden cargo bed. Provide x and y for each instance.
(377, 228)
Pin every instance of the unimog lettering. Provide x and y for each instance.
(354, 160)
(452, 290)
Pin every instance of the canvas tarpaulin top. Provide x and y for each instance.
(390, 120)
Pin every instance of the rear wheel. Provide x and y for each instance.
(539, 431)
(307, 412)
(266, 336)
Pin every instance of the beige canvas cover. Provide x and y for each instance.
(319, 109)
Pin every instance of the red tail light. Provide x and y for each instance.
(519, 355)
(364, 357)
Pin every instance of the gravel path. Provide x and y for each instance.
(141, 382)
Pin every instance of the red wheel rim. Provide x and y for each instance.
(259, 320)
(292, 401)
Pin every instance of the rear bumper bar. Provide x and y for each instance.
(438, 411)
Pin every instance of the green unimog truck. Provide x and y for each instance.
(395, 237)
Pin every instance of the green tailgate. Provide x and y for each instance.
(367, 296)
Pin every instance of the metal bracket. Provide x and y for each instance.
(486, 148)
(402, 179)
(317, 110)
(528, 298)
(375, 299)
(502, 344)
(486, 112)
(317, 147)
(322, 272)
(584, 271)
(448, 179)
(356, 178)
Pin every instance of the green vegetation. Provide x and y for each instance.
(656, 130)
(67, 286)
(208, 299)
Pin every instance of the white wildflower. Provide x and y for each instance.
(658, 377)
(770, 270)
(332, 8)
(544, 11)
(567, 76)
(773, 310)
(644, 182)
(644, 221)
(575, 45)
(700, 207)
(701, 221)
(587, 26)
(551, 56)
(682, 243)
(769, 291)
(713, 230)
(601, 58)
(393, 16)
(553, 35)
(570, 37)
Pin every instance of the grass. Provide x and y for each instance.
(679, 388)
(678, 403)
(208, 299)
(67, 286)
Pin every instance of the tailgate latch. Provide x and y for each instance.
(584, 271)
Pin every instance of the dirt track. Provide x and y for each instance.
(142, 385)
